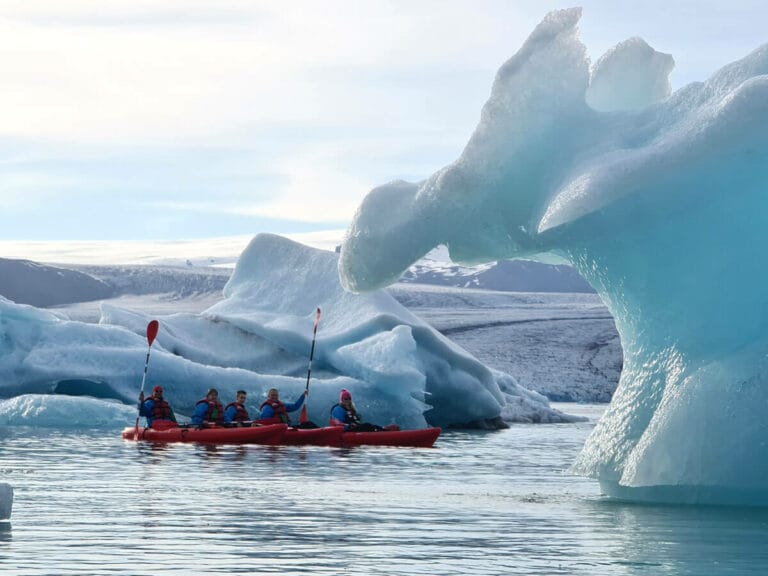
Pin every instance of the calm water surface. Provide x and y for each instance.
(479, 503)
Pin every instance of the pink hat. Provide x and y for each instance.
(157, 389)
(345, 395)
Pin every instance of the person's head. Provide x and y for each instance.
(212, 394)
(273, 394)
(345, 397)
(240, 396)
(157, 391)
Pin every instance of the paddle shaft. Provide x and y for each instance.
(303, 414)
(152, 329)
(146, 366)
(312, 350)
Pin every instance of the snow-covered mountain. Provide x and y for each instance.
(44, 285)
(39, 285)
(437, 269)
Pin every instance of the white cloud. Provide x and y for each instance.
(129, 72)
(175, 71)
(224, 250)
(317, 100)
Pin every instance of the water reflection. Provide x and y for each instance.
(687, 539)
(479, 504)
(5, 531)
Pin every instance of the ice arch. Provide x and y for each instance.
(661, 204)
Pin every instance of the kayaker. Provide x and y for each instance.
(208, 410)
(156, 410)
(345, 414)
(273, 411)
(235, 411)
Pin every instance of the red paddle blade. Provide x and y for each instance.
(152, 329)
(303, 415)
(317, 319)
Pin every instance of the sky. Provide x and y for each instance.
(192, 119)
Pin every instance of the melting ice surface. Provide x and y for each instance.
(398, 368)
(660, 202)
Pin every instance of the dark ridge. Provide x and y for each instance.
(39, 285)
(77, 387)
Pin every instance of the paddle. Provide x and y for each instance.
(303, 414)
(152, 329)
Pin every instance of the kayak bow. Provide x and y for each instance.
(271, 434)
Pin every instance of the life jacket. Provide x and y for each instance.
(241, 415)
(215, 412)
(350, 416)
(163, 424)
(161, 410)
(279, 413)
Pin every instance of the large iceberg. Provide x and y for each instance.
(659, 200)
(399, 369)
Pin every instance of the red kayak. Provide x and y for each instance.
(271, 434)
(424, 438)
(326, 436)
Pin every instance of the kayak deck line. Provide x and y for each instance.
(423, 438)
(270, 434)
(281, 434)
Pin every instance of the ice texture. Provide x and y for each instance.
(660, 204)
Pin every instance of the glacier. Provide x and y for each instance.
(58, 372)
(658, 199)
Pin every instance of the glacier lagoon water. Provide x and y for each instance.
(479, 503)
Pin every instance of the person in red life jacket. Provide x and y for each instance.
(156, 410)
(235, 411)
(208, 410)
(273, 411)
(345, 414)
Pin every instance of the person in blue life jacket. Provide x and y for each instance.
(156, 410)
(345, 414)
(235, 412)
(208, 410)
(274, 411)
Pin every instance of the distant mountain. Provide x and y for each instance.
(43, 286)
(27, 282)
(436, 269)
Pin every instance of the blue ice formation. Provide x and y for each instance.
(399, 369)
(64, 411)
(660, 201)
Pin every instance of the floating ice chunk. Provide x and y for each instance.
(60, 411)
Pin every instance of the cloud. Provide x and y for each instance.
(288, 110)
(176, 71)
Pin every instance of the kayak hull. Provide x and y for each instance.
(271, 435)
(280, 434)
(326, 436)
(423, 438)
